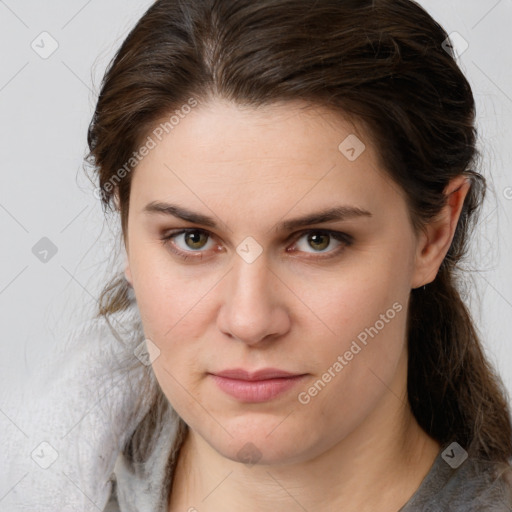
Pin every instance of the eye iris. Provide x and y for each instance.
(317, 239)
(195, 239)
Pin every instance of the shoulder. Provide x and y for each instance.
(480, 486)
(473, 486)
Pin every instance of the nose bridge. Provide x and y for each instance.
(250, 282)
(253, 308)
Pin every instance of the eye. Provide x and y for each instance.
(188, 241)
(321, 241)
(195, 240)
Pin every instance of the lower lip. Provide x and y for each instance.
(256, 391)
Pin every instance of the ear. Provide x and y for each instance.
(434, 242)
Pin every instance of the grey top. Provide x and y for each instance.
(468, 485)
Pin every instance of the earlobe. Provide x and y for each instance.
(435, 240)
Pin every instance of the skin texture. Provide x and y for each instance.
(297, 307)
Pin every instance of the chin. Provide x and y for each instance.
(267, 441)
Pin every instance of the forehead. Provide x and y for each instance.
(290, 131)
(249, 158)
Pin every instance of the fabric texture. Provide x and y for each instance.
(474, 486)
(67, 426)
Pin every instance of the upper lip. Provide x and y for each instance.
(265, 373)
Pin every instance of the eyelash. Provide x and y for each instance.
(346, 241)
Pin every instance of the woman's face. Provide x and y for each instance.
(299, 256)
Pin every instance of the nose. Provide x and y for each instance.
(253, 306)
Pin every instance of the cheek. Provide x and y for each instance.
(172, 311)
(353, 369)
(354, 298)
(363, 312)
(168, 294)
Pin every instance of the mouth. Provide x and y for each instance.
(256, 387)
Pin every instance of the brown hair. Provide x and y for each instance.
(382, 62)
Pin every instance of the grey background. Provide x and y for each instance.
(45, 108)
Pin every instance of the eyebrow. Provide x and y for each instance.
(337, 213)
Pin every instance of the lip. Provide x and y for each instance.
(263, 374)
(259, 386)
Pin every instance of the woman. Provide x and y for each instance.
(295, 186)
